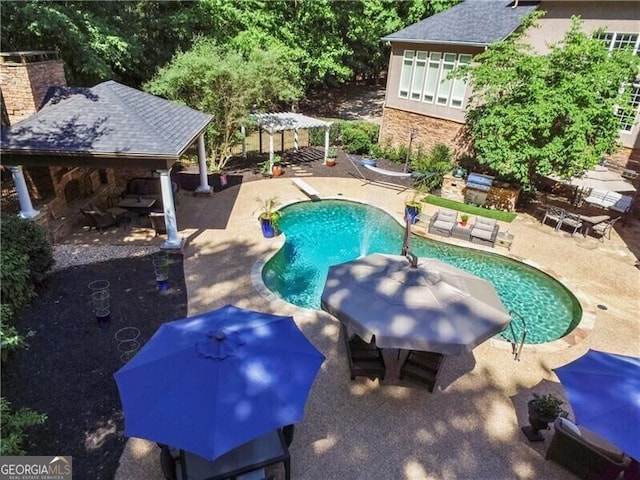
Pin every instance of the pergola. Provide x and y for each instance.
(281, 121)
(107, 126)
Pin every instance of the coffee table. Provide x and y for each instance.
(462, 232)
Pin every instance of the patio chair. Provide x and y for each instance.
(422, 366)
(604, 228)
(484, 231)
(365, 359)
(572, 220)
(584, 453)
(99, 220)
(157, 222)
(442, 222)
(555, 214)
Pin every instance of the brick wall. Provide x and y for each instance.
(397, 125)
(24, 85)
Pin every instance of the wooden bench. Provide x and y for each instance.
(305, 187)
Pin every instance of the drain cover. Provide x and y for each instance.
(602, 307)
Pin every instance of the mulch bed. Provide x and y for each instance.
(67, 371)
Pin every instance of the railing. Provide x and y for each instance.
(515, 346)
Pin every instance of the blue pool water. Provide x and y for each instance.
(321, 234)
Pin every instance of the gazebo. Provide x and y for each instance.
(281, 121)
(107, 126)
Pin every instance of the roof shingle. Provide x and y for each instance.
(472, 22)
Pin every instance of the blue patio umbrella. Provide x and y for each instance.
(215, 381)
(603, 390)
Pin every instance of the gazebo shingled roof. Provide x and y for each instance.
(107, 126)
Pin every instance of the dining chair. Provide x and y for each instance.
(572, 220)
(604, 228)
(555, 214)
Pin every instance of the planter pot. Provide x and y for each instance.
(463, 223)
(372, 162)
(277, 170)
(412, 211)
(267, 228)
(331, 162)
(538, 422)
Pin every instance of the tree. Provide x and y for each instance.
(556, 113)
(227, 83)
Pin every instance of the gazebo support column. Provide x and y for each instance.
(326, 144)
(270, 150)
(204, 186)
(295, 140)
(172, 241)
(26, 207)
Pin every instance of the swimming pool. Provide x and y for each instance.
(320, 234)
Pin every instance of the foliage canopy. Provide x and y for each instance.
(553, 113)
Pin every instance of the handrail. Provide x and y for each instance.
(517, 350)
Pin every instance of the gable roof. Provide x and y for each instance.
(107, 121)
(472, 22)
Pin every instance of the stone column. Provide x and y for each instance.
(26, 208)
(172, 242)
(204, 186)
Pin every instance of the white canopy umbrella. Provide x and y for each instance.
(425, 304)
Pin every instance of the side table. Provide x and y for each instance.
(505, 239)
(462, 232)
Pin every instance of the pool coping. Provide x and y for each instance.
(579, 332)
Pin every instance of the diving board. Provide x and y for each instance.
(305, 187)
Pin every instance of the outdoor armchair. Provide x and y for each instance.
(584, 453)
(484, 231)
(99, 220)
(442, 222)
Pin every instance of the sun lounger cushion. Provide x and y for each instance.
(443, 222)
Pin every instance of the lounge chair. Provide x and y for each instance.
(604, 228)
(572, 220)
(484, 231)
(555, 214)
(442, 222)
(99, 220)
(365, 359)
(584, 453)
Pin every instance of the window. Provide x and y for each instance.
(618, 41)
(424, 77)
(405, 76)
(627, 120)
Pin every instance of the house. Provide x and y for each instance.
(421, 101)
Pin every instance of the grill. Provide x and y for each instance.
(478, 181)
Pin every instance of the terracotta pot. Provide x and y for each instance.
(331, 162)
(463, 223)
(276, 170)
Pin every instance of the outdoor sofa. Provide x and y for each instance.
(584, 453)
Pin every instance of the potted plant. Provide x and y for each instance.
(332, 154)
(269, 217)
(412, 205)
(464, 218)
(542, 409)
(276, 168)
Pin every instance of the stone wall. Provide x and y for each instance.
(397, 126)
(453, 188)
(25, 79)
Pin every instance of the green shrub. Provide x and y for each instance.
(359, 136)
(13, 424)
(316, 135)
(434, 164)
(28, 238)
(16, 287)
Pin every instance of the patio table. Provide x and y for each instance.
(269, 449)
(139, 206)
(589, 221)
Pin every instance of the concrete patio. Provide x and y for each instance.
(469, 428)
